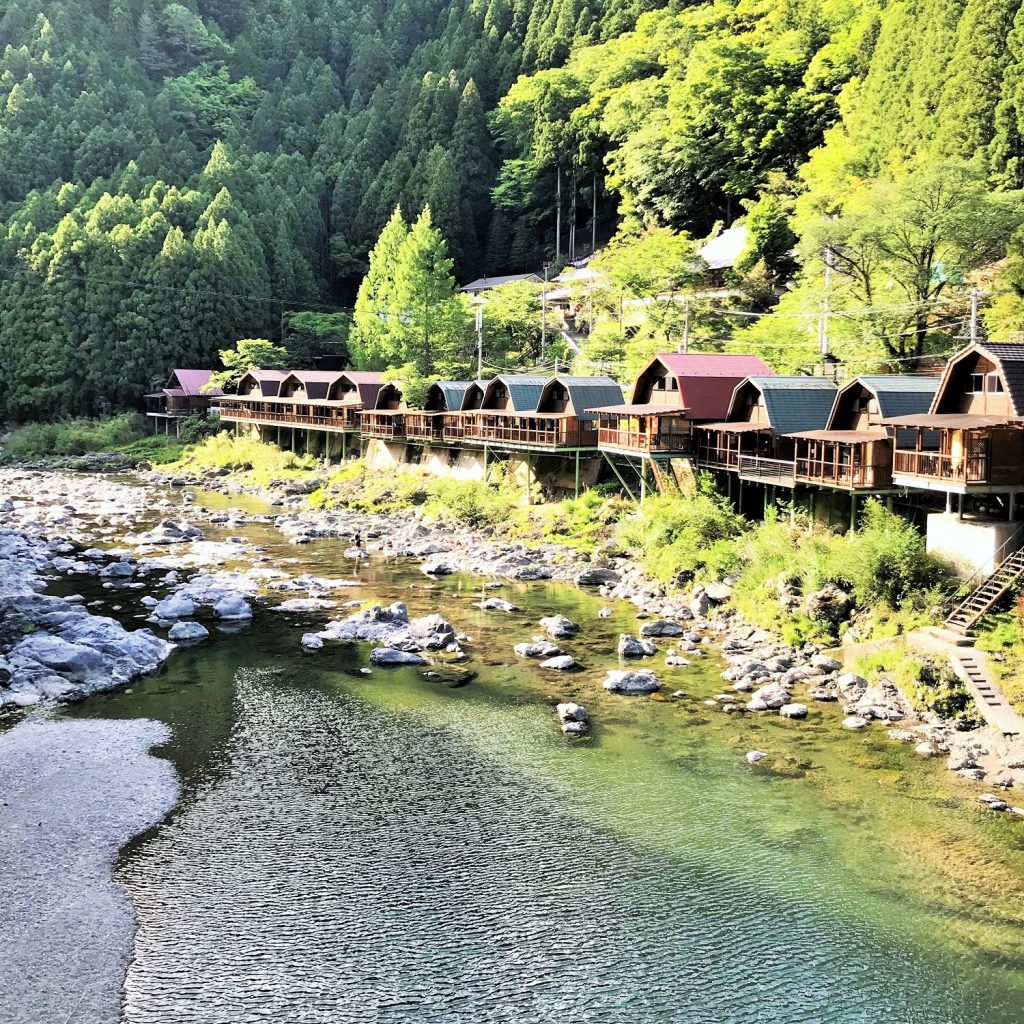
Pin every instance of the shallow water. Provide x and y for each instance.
(390, 848)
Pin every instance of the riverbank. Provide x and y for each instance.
(176, 574)
(74, 794)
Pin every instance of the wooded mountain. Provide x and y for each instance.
(174, 176)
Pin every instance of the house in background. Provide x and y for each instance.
(721, 254)
(483, 284)
(182, 397)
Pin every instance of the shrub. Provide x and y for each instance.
(681, 537)
(264, 462)
(74, 437)
(473, 502)
(195, 429)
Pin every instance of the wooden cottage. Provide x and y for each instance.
(443, 398)
(754, 439)
(182, 396)
(855, 450)
(506, 400)
(971, 440)
(561, 420)
(672, 393)
(386, 419)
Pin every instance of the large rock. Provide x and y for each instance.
(439, 565)
(561, 663)
(596, 576)
(772, 696)
(829, 604)
(496, 604)
(559, 627)
(661, 627)
(390, 656)
(175, 607)
(188, 632)
(232, 607)
(630, 647)
(572, 712)
(825, 663)
(167, 532)
(638, 682)
(718, 592)
(793, 711)
(537, 649)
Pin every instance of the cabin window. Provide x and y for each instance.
(861, 404)
(977, 384)
(994, 384)
(751, 399)
(558, 394)
(673, 385)
(659, 384)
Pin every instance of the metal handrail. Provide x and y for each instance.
(969, 585)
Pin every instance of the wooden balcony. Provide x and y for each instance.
(645, 441)
(424, 426)
(843, 473)
(542, 431)
(388, 426)
(284, 413)
(935, 466)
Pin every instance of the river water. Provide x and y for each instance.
(388, 848)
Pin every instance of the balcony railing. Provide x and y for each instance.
(680, 441)
(529, 431)
(961, 469)
(311, 415)
(424, 426)
(768, 471)
(387, 426)
(717, 456)
(847, 474)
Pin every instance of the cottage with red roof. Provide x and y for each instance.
(182, 397)
(672, 393)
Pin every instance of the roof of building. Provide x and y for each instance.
(722, 251)
(191, 383)
(585, 393)
(1009, 357)
(453, 392)
(524, 390)
(794, 404)
(482, 284)
(707, 379)
(898, 393)
(259, 374)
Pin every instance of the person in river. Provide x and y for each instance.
(357, 541)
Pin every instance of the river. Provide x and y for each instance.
(392, 848)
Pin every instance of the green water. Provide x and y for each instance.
(393, 848)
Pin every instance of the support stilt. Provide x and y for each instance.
(577, 491)
(619, 476)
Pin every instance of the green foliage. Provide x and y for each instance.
(473, 503)
(309, 334)
(73, 437)
(1002, 637)
(247, 354)
(244, 453)
(194, 429)
(157, 450)
(681, 538)
(408, 311)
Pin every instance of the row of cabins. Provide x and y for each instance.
(961, 434)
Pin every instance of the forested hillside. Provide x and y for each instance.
(174, 176)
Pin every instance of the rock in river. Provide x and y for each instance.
(630, 647)
(559, 627)
(539, 648)
(232, 606)
(561, 663)
(641, 681)
(793, 711)
(389, 656)
(661, 627)
(188, 632)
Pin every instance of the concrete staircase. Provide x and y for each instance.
(986, 594)
(971, 666)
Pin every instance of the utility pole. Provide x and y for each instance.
(825, 310)
(975, 295)
(686, 325)
(543, 314)
(479, 342)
